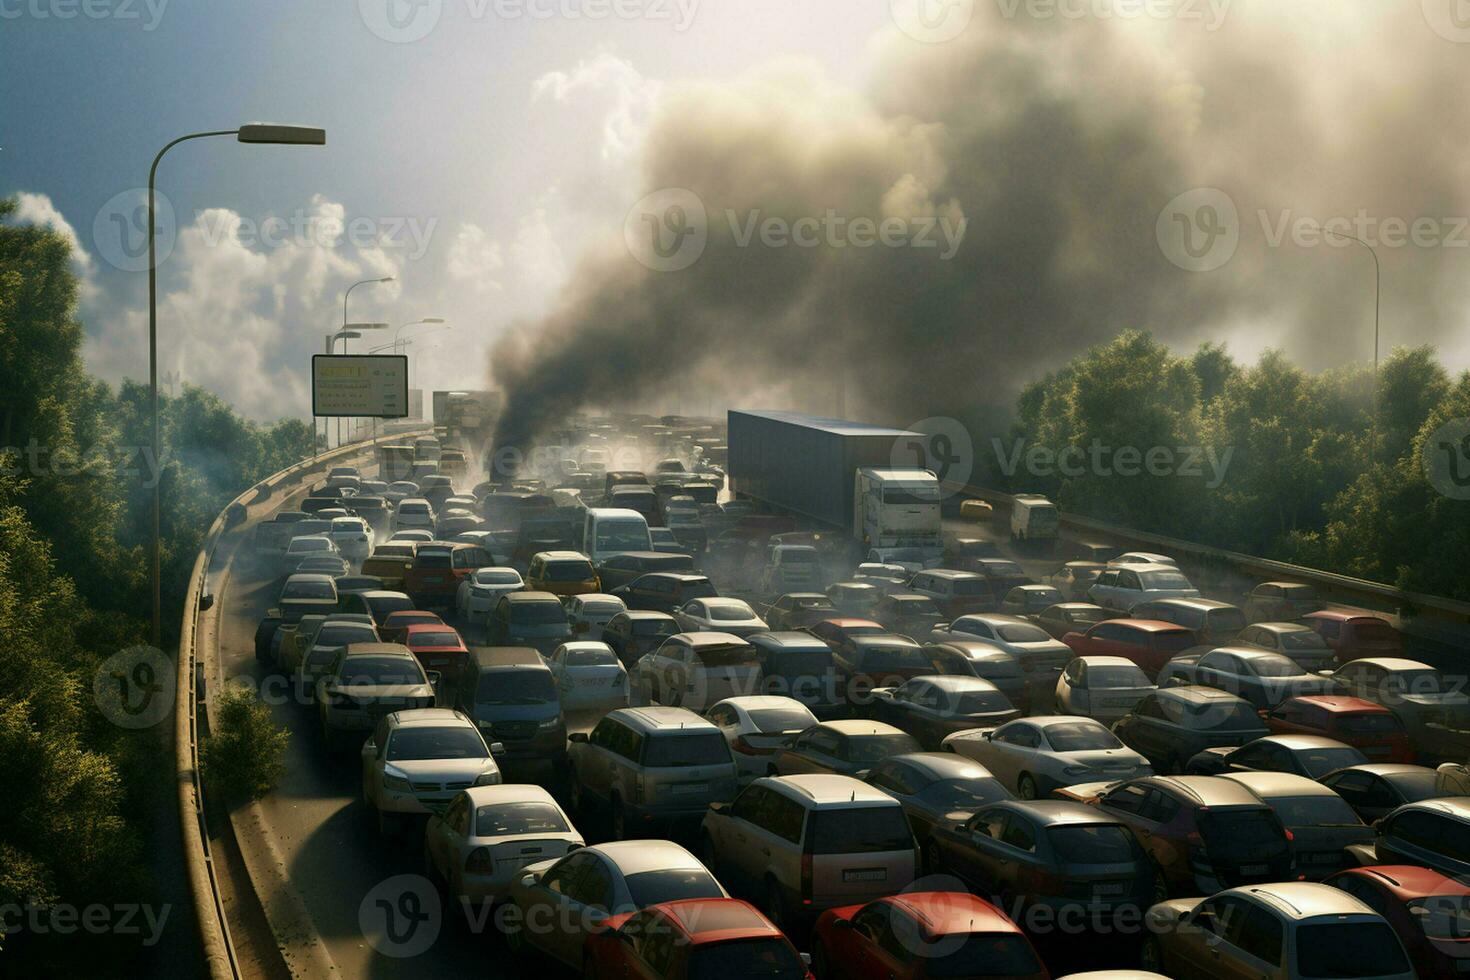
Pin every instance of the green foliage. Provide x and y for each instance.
(246, 753)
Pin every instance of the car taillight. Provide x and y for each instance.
(806, 879)
(479, 862)
(745, 748)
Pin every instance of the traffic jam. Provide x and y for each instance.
(682, 697)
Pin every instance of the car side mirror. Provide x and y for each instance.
(718, 806)
(985, 735)
(434, 677)
(528, 881)
(577, 737)
(497, 748)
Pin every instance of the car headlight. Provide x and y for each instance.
(396, 782)
(490, 777)
(549, 724)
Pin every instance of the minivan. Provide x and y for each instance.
(511, 696)
(609, 531)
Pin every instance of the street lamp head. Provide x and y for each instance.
(432, 319)
(365, 326)
(349, 334)
(277, 133)
(386, 279)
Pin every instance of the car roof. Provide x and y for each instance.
(1269, 785)
(1052, 813)
(1102, 661)
(757, 701)
(560, 556)
(860, 726)
(956, 682)
(950, 573)
(1195, 603)
(1393, 663)
(709, 638)
(419, 717)
(717, 920)
(1301, 743)
(976, 649)
(1299, 900)
(883, 640)
(1283, 627)
(1341, 704)
(848, 622)
(637, 856)
(1208, 790)
(1387, 768)
(1452, 806)
(379, 650)
(507, 657)
(509, 793)
(828, 789)
(645, 614)
(1148, 625)
(997, 619)
(1197, 694)
(1250, 653)
(1409, 881)
(657, 717)
(781, 639)
(1034, 587)
(520, 597)
(310, 577)
(943, 765)
(946, 913)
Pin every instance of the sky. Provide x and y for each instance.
(486, 152)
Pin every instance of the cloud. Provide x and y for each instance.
(633, 99)
(37, 209)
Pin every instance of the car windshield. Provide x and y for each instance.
(385, 605)
(497, 576)
(456, 742)
(569, 571)
(980, 954)
(435, 638)
(1302, 641)
(727, 655)
(767, 959)
(656, 887)
(1275, 667)
(504, 819)
(1242, 835)
(515, 685)
(731, 612)
(681, 751)
(340, 636)
(876, 748)
(537, 613)
(1022, 633)
(626, 535)
(876, 658)
(304, 545)
(1315, 811)
(780, 719)
(1172, 641)
(379, 671)
(1349, 949)
(431, 559)
(1164, 580)
(861, 830)
(980, 702)
(1115, 678)
(1081, 737)
(1094, 844)
(309, 590)
(965, 794)
(655, 627)
(1319, 762)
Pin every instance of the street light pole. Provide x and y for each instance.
(1377, 302)
(248, 133)
(348, 293)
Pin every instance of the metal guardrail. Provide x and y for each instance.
(214, 930)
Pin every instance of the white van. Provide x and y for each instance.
(609, 531)
(1033, 518)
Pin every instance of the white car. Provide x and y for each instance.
(696, 670)
(756, 727)
(416, 760)
(352, 536)
(306, 546)
(416, 513)
(1142, 558)
(1104, 688)
(480, 842)
(481, 590)
(588, 613)
(1036, 755)
(588, 675)
(412, 534)
(400, 490)
(1122, 587)
(719, 615)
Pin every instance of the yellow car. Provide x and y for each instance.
(977, 510)
(390, 568)
(562, 573)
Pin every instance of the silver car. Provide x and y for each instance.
(1036, 755)
(1042, 657)
(1104, 688)
(480, 843)
(366, 682)
(732, 616)
(416, 760)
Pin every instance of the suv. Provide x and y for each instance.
(650, 764)
(562, 573)
(535, 619)
(1173, 725)
(954, 592)
(664, 591)
(802, 844)
(797, 665)
(510, 694)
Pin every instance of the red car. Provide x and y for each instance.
(693, 938)
(1353, 636)
(395, 627)
(922, 934)
(1370, 728)
(1430, 913)
(437, 646)
(1149, 643)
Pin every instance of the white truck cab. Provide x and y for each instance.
(1033, 518)
(897, 509)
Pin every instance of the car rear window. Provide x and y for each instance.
(1019, 633)
(769, 959)
(383, 606)
(1315, 811)
(537, 613)
(431, 559)
(339, 636)
(780, 719)
(569, 571)
(445, 638)
(860, 830)
(873, 749)
(1079, 736)
(893, 658)
(1348, 949)
(1244, 835)
(657, 887)
(676, 751)
(654, 627)
(1173, 641)
(519, 818)
(309, 590)
(731, 655)
(1223, 716)
(1369, 724)
(1094, 844)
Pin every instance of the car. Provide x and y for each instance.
(1370, 728)
(411, 535)
(1434, 711)
(399, 490)
(1426, 910)
(1028, 601)
(294, 640)
(665, 591)
(1352, 636)
(972, 658)
(697, 669)
(1053, 854)
(854, 598)
(479, 591)
(562, 573)
(791, 568)
(365, 682)
(304, 546)
(931, 708)
(588, 676)
(1074, 578)
(1433, 833)
(1277, 602)
(845, 746)
(955, 592)
(1102, 688)
(1038, 754)
(415, 761)
(636, 632)
(800, 844)
(1174, 724)
(335, 633)
(534, 619)
(582, 891)
(378, 604)
(1213, 623)
(438, 647)
(438, 569)
(935, 788)
(1042, 658)
(795, 610)
(1204, 833)
(332, 565)
(692, 939)
(650, 766)
(306, 593)
(387, 567)
(756, 726)
(414, 514)
(1298, 641)
(874, 660)
(733, 616)
(619, 570)
(1286, 930)
(1376, 789)
(352, 536)
(1062, 618)
(1149, 643)
(835, 630)
(1122, 588)
(394, 627)
(510, 693)
(908, 613)
(1263, 678)
(1134, 559)
(1320, 823)
(348, 584)
(797, 665)
(588, 614)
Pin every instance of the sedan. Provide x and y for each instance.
(847, 747)
(1300, 642)
(1104, 688)
(796, 610)
(1305, 755)
(580, 892)
(481, 589)
(368, 681)
(588, 676)
(1071, 617)
(719, 615)
(930, 708)
(757, 726)
(479, 843)
(1041, 656)
(588, 613)
(936, 788)
(1030, 600)
(334, 635)
(693, 939)
(415, 759)
(1036, 755)
(352, 536)
(908, 614)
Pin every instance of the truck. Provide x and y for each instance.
(467, 417)
(1033, 518)
(813, 467)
